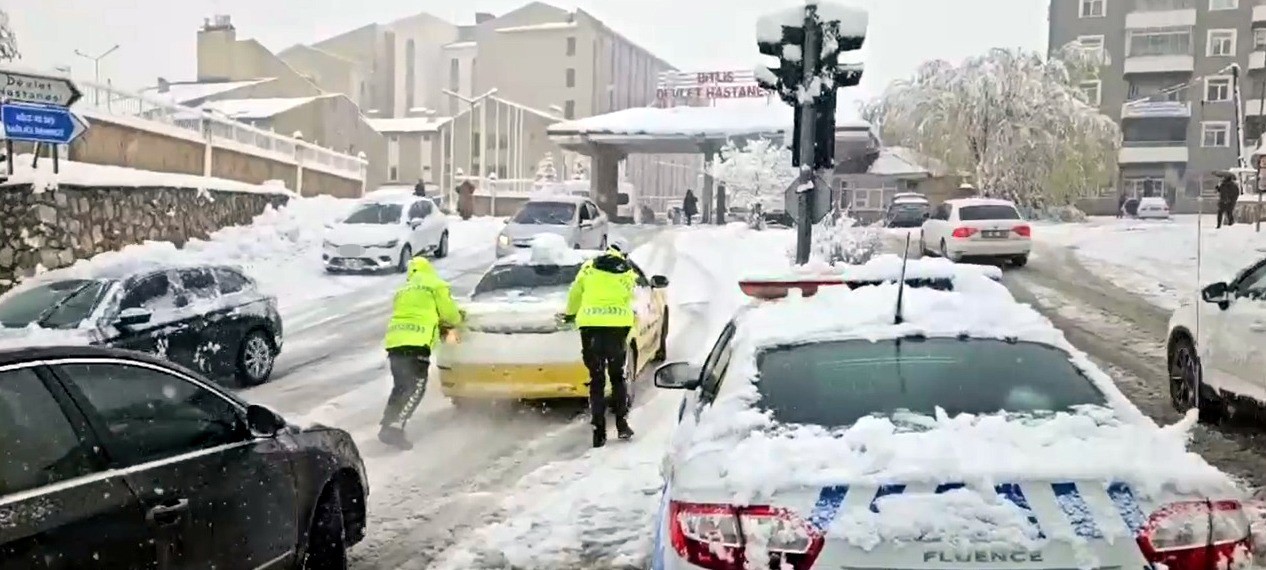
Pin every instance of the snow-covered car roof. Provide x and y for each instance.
(887, 267)
(392, 198)
(563, 198)
(980, 202)
(910, 200)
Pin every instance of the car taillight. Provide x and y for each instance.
(722, 537)
(1198, 535)
(964, 232)
(1023, 230)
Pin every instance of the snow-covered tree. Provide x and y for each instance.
(1017, 122)
(8, 43)
(545, 171)
(580, 168)
(760, 170)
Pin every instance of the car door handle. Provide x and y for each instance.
(168, 513)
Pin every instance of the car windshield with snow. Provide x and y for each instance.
(376, 214)
(838, 428)
(211, 319)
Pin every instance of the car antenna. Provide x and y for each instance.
(901, 284)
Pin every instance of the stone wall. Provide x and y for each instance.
(55, 228)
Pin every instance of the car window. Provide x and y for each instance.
(988, 212)
(525, 277)
(424, 208)
(152, 414)
(199, 284)
(38, 445)
(585, 213)
(1252, 284)
(152, 293)
(376, 214)
(546, 213)
(714, 366)
(594, 212)
(231, 281)
(57, 304)
(836, 383)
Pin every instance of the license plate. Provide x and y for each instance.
(995, 234)
(351, 251)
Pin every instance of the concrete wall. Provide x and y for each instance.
(418, 157)
(54, 229)
(373, 47)
(331, 73)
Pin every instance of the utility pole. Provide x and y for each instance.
(96, 70)
(1238, 100)
(808, 45)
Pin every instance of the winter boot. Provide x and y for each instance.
(622, 430)
(599, 437)
(394, 437)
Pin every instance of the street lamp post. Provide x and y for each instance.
(96, 70)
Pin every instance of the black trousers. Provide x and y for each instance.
(604, 352)
(1226, 211)
(409, 366)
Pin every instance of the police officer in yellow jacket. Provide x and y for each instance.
(422, 307)
(600, 302)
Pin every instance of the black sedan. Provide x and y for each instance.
(212, 319)
(116, 459)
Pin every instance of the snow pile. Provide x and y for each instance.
(1118, 444)
(86, 174)
(841, 240)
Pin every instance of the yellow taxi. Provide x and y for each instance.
(513, 348)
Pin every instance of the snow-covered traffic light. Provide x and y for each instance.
(785, 42)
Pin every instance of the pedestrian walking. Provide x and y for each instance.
(1121, 205)
(600, 303)
(690, 206)
(1228, 196)
(419, 189)
(421, 308)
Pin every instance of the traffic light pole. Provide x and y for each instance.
(804, 225)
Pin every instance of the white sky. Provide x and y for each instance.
(157, 37)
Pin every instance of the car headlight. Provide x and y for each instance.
(503, 239)
(387, 245)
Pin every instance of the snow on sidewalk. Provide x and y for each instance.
(1157, 258)
(596, 511)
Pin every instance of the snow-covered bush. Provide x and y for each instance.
(580, 168)
(1017, 122)
(8, 42)
(545, 170)
(838, 239)
(761, 170)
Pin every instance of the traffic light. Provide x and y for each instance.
(788, 48)
(841, 75)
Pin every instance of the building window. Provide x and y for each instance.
(1093, 91)
(1217, 89)
(1216, 134)
(1093, 8)
(1259, 39)
(393, 174)
(455, 75)
(1159, 42)
(1224, 4)
(1092, 44)
(571, 45)
(1221, 43)
(569, 109)
(1144, 186)
(571, 77)
(868, 198)
(410, 86)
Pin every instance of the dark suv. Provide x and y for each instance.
(116, 459)
(212, 319)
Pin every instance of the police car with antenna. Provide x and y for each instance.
(892, 423)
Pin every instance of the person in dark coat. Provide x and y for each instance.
(690, 205)
(419, 189)
(1121, 205)
(1228, 195)
(466, 200)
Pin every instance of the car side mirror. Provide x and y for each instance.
(414, 223)
(133, 317)
(677, 376)
(263, 422)
(659, 281)
(1219, 293)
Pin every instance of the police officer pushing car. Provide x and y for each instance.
(600, 303)
(421, 308)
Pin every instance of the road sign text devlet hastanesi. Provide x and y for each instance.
(709, 85)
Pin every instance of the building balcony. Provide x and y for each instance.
(1160, 64)
(1139, 20)
(1152, 152)
(1259, 13)
(1257, 59)
(1151, 109)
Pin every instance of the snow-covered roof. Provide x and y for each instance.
(408, 124)
(539, 27)
(259, 108)
(722, 121)
(902, 161)
(461, 45)
(86, 174)
(198, 90)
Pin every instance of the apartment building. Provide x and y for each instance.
(1168, 82)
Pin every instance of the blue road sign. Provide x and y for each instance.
(40, 123)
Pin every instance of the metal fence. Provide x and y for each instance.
(219, 130)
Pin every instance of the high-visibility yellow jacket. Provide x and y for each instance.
(420, 307)
(602, 294)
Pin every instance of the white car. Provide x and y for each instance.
(823, 432)
(1153, 207)
(977, 227)
(1226, 330)
(386, 233)
(577, 219)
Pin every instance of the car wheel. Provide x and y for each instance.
(441, 250)
(1184, 376)
(661, 354)
(327, 539)
(255, 358)
(406, 253)
(1020, 261)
